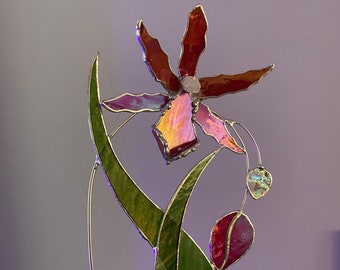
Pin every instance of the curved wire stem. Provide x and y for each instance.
(89, 214)
(90, 196)
(259, 157)
(244, 200)
(122, 125)
(231, 124)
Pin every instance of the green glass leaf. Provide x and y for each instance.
(145, 214)
(169, 236)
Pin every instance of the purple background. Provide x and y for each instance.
(46, 154)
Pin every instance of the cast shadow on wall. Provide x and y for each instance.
(336, 249)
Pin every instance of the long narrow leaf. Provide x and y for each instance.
(169, 236)
(143, 212)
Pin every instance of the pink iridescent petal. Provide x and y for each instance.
(193, 42)
(226, 84)
(231, 238)
(136, 103)
(156, 59)
(174, 131)
(215, 127)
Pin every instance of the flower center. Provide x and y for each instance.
(190, 84)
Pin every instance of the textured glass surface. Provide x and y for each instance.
(259, 182)
(156, 59)
(193, 42)
(231, 238)
(175, 130)
(136, 103)
(215, 127)
(169, 234)
(227, 84)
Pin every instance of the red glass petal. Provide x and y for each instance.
(231, 238)
(226, 84)
(193, 42)
(215, 127)
(174, 131)
(156, 59)
(136, 103)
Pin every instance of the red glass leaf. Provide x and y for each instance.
(226, 84)
(231, 238)
(216, 128)
(174, 131)
(156, 59)
(136, 103)
(193, 42)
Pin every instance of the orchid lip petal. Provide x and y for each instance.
(174, 131)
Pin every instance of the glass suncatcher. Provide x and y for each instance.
(181, 107)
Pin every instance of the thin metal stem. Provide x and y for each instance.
(244, 200)
(90, 195)
(89, 214)
(122, 125)
(231, 124)
(254, 141)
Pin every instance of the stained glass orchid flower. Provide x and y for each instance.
(182, 106)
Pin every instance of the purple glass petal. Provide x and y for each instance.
(193, 42)
(216, 128)
(226, 84)
(156, 59)
(136, 103)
